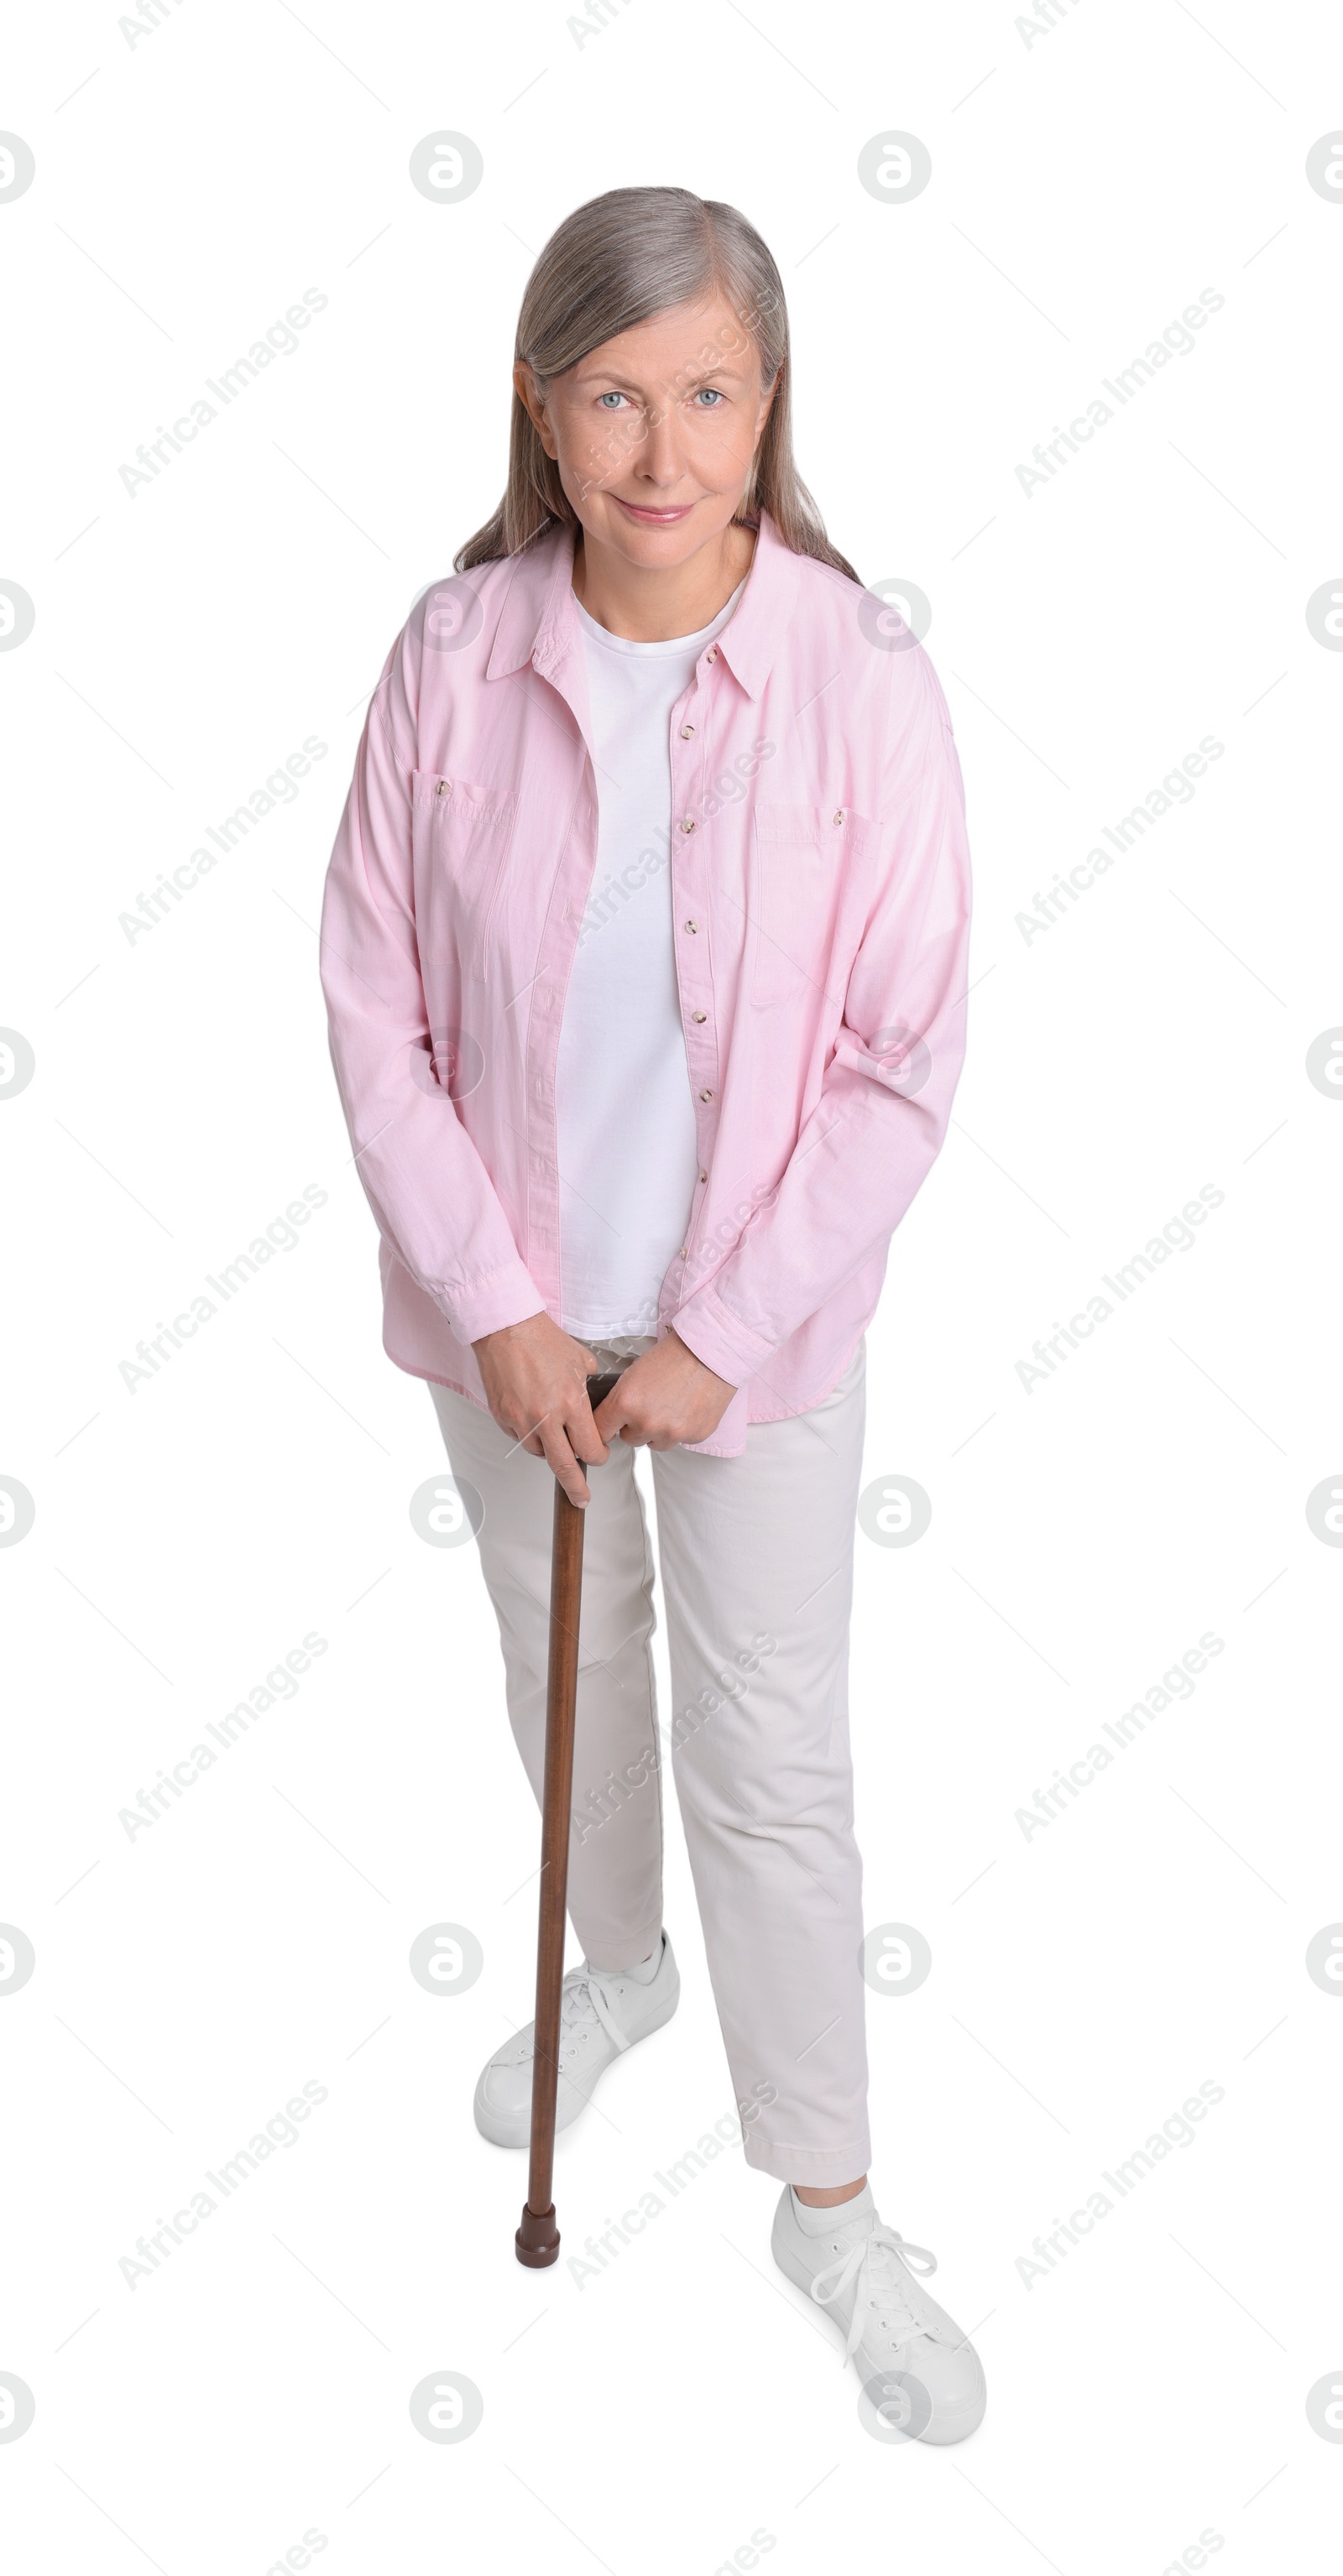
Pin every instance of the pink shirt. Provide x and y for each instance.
(820, 892)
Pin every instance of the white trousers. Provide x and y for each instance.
(756, 1557)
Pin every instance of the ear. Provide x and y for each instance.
(767, 402)
(526, 389)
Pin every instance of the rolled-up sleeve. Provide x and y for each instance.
(434, 1201)
(883, 1107)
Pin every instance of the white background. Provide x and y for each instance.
(1086, 186)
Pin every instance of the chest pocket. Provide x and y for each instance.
(461, 837)
(802, 859)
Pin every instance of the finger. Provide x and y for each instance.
(560, 1458)
(620, 1419)
(580, 1426)
(524, 1432)
(610, 1414)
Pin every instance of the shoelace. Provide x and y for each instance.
(583, 1999)
(877, 2281)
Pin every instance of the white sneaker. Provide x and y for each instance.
(602, 2013)
(930, 2382)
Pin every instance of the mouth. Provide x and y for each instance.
(653, 518)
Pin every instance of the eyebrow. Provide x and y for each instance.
(690, 383)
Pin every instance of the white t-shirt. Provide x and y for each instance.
(628, 1157)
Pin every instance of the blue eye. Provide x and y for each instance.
(610, 398)
(714, 396)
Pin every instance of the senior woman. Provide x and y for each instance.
(644, 950)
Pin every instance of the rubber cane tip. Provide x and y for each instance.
(537, 2241)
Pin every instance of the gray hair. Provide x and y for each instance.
(617, 261)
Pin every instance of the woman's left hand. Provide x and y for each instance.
(663, 1398)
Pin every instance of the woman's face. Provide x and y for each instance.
(654, 432)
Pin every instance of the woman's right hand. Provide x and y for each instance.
(535, 1384)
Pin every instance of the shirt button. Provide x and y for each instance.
(706, 1095)
(686, 732)
(699, 1015)
(692, 925)
(704, 1176)
(712, 654)
(839, 817)
(689, 823)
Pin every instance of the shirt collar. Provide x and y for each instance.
(538, 622)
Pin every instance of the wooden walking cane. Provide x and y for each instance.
(538, 2238)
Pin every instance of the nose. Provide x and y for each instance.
(658, 459)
